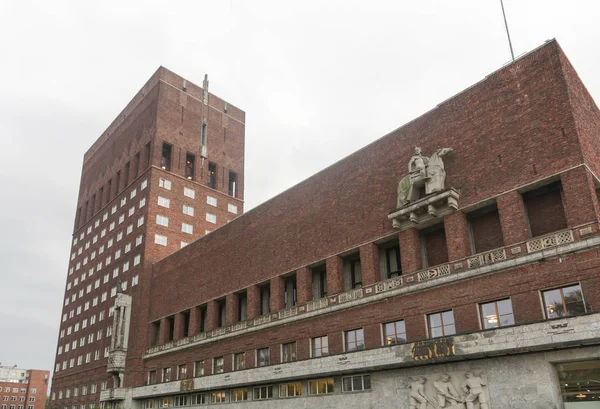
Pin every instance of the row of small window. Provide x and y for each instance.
(558, 302)
(84, 391)
(185, 227)
(113, 210)
(17, 390)
(163, 240)
(72, 345)
(109, 244)
(81, 359)
(76, 281)
(188, 210)
(191, 193)
(325, 386)
(21, 398)
(4, 406)
(136, 260)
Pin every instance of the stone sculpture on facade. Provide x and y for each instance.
(473, 387)
(422, 194)
(446, 393)
(423, 172)
(418, 399)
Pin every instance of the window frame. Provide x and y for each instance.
(482, 317)
(562, 296)
(429, 328)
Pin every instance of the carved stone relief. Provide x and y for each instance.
(459, 390)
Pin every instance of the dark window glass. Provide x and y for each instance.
(564, 301)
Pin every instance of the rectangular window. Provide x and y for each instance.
(263, 357)
(160, 239)
(355, 340)
(187, 228)
(187, 192)
(288, 352)
(565, 301)
(164, 183)
(219, 365)
(211, 218)
(218, 397)
(190, 161)
(181, 372)
(203, 130)
(545, 209)
(356, 383)
(162, 220)
(321, 386)
(189, 210)
(165, 160)
(164, 202)
(319, 346)
(199, 368)
(212, 175)
(239, 361)
(231, 208)
(232, 188)
(289, 390)
(200, 399)
(183, 244)
(151, 379)
(262, 392)
(166, 375)
(211, 201)
(394, 333)
(265, 299)
(239, 394)
(496, 314)
(441, 324)
(180, 400)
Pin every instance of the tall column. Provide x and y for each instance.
(194, 321)
(369, 263)
(179, 326)
(277, 294)
(212, 315)
(458, 240)
(304, 285)
(231, 309)
(164, 329)
(410, 250)
(580, 200)
(513, 218)
(335, 275)
(253, 301)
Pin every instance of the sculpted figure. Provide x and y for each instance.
(473, 387)
(422, 172)
(418, 400)
(446, 392)
(435, 171)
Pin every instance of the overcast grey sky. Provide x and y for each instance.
(317, 79)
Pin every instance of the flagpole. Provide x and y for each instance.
(507, 32)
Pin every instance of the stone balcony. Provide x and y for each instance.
(116, 360)
(113, 394)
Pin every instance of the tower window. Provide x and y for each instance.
(212, 175)
(189, 166)
(203, 134)
(232, 184)
(165, 160)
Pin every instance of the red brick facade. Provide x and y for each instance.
(525, 163)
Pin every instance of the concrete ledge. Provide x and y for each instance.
(541, 336)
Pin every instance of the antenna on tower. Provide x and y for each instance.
(507, 32)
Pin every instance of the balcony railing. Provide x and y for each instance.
(513, 251)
